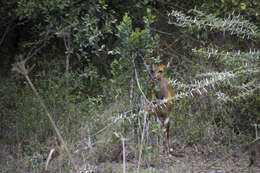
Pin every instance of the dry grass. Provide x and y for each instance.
(102, 152)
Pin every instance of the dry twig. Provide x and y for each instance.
(124, 151)
(19, 67)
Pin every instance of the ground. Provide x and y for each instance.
(189, 161)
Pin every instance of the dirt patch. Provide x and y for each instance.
(188, 163)
(189, 159)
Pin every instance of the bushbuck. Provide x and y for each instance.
(161, 95)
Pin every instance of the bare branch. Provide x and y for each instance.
(5, 33)
(19, 67)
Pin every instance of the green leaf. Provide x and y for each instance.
(243, 6)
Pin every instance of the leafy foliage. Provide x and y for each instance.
(234, 24)
(90, 68)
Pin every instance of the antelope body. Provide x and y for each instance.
(161, 95)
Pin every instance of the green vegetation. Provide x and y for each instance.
(89, 64)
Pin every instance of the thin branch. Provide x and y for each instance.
(118, 118)
(121, 137)
(142, 140)
(131, 104)
(138, 83)
(49, 158)
(5, 33)
(19, 67)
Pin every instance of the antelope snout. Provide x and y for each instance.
(154, 78)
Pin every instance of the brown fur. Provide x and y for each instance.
(161, 89)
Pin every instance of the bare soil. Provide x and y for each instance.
(192, 159)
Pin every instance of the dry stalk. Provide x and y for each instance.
(142, 141)
(49, 158)
(131, 104)
(20, 68)
(124, 151)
